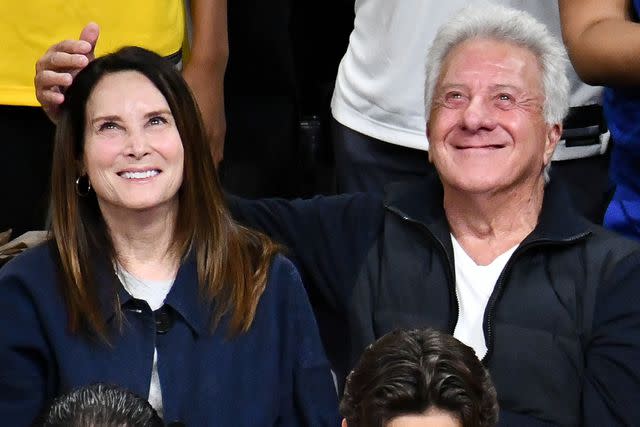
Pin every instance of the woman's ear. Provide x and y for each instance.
(344, 422)
(80, 168)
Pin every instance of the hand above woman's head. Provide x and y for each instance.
(56, 69)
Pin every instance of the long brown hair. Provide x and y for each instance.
(232, 261)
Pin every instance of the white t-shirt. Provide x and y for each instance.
(154, 292)
(379, 88)
(474, 285)
(380, 83)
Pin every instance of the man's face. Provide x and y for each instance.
(486, 127)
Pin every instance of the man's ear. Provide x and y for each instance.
(554, 133)
(344, 422)
(428, 151)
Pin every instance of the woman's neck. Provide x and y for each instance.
(143, 242)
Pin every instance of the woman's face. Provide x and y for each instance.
(133, 153)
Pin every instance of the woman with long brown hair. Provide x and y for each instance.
(147, 282)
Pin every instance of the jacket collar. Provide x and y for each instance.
(184, 296)
(422, 202)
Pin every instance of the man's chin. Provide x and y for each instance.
(476, 184)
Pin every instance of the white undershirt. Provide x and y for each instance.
(154, 293)
(474, 285)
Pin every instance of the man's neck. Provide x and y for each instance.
(487, 225)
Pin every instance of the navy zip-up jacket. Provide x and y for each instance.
(562, 326)
(276, 374)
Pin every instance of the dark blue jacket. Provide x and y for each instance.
(562, 325)
(275, 374)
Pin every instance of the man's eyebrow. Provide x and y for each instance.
(495, 87)
(448, 86)
(505, 87)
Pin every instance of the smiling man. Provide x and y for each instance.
(488, 250)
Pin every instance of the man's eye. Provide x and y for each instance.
(454, 98)
(505, 97)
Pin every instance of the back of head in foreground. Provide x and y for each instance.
(100, 405)
(419, 373)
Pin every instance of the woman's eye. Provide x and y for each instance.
(107, 126)
(157, 120)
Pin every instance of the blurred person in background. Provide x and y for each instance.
(603, 40)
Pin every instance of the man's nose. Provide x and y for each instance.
(478, 115)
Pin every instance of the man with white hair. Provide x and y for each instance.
(487, 250)
(377, 106)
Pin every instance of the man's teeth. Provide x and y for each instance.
(139, 175)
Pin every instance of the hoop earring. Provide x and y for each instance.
(83, 186)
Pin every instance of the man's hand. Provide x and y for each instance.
(56, 69)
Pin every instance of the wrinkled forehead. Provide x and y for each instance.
(123, 95)
(491, 61)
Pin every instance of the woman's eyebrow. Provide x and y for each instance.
(106, 118)
(164, 111)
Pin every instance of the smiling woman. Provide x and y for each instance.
(147, 282)
(132, 147)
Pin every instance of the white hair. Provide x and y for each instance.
(491, 21)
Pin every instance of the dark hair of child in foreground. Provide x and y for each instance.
(419, 375)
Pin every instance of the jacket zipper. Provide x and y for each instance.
(497, 291)
(450, 267)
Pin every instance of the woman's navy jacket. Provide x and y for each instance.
(275, 374)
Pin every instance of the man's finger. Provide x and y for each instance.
(90, 34)
(72, 46)
(67, 47)
(47, 79)
(49, 98)
(63, 61)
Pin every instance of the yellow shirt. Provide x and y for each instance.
(29, 27)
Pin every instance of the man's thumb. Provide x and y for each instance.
(90, 34)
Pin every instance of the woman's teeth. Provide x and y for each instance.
(139, 175)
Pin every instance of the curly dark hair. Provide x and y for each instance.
(101, 405)
(409, 372)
